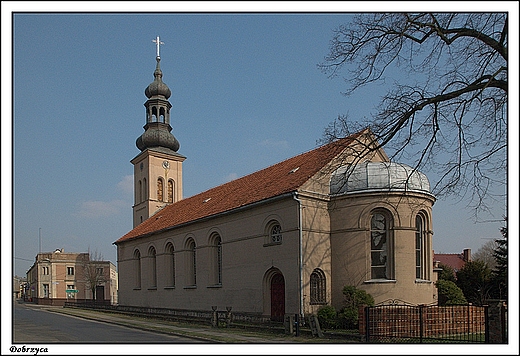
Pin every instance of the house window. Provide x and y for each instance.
(45, 271)
(153, 267)
(276, 233)
(170, 282)
(421, 247)
(170, 191)
(46, 291)
(160, 189)
(379, 246)
(219, 260)
(137, 269)
(99, 271)
(70, 294)
(191, 263)
(318, 287)
(216, 260)
(418, 246)
(70, 271)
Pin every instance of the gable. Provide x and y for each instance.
(279, 179)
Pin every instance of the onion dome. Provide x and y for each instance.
(378, 176)
(156, 135)
(157, 87)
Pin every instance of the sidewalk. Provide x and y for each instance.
(198, 332)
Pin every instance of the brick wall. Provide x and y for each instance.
(425, 321)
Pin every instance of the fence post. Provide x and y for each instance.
(297, 324)
(469, 320)
(486, 324)
(367, 323)
(289, 324)
(503, 321)
(214, 317)
(496, 324)
(228, 317)
(421, 322)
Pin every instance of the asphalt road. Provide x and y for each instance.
(36, 325)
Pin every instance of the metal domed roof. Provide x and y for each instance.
(378, 176)
(157, 87)
(157, 135)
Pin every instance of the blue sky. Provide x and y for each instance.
(246, 93)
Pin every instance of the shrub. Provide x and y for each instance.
(449, 293)
(327, 316)
(354, 298)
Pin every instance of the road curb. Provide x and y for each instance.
(114, 322)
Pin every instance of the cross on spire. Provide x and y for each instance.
(158, 42)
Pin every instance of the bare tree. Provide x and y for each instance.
(446, 110)
(94, 272)
(485, 254)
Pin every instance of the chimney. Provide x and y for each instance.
(466, 255)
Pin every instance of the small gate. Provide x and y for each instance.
(422, 324)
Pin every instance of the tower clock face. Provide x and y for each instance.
(166, 164)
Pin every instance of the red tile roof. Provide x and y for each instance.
(267, 183)
(453, 260)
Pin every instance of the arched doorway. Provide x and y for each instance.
(277, 297)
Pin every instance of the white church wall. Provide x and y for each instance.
(246, 257)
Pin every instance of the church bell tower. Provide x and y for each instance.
(158, 168)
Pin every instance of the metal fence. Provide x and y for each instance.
(425, 324)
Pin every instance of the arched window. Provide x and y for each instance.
(219, 260)
(160, 189)
(191, 263)
(275, 232)
(318, 287)
(154, 114)
(216, 260)
(380, 256)
(145, 190)
(140, 199)
(421, 247)
(170, 263)
(137, 269)
(170, 191)
(153, 267)
(161, 115)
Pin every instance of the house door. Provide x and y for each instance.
(277, 297)
(100, 294)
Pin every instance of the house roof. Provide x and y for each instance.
(281, 178)
(453, 260)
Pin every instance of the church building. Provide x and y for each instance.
(283, 240)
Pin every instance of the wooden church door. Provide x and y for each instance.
(277, 297)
